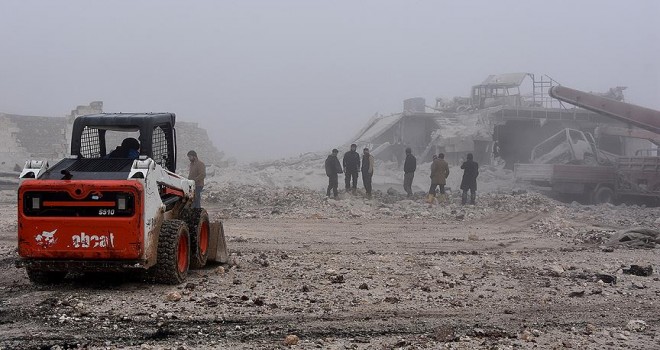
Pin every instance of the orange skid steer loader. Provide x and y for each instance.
(114, 211)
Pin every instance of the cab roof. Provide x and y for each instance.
(124, 121)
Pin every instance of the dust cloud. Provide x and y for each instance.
(275, 79)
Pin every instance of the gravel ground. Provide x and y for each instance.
(518, 270)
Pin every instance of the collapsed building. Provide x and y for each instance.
(505, 117)
(26, 137)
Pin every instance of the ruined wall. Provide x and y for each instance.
(32, 137)
(189, 136)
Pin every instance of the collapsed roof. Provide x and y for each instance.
(496, 111)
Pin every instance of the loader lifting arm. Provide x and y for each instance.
(642, 117)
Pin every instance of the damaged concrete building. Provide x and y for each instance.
(505, 116)
(35, 137)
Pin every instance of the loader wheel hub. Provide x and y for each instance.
(204, 238)
(182, 254)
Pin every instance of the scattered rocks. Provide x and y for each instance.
(291, 339)
(336, 278)
(576, 294)
(210, 296)
(444, 333)
(392, 300)
(526, 336)
(173, 296)
(355, 213)
(589, 329)
(609, 279)
(638, 270)
(636, 326)
(556, 270)
(637, 285)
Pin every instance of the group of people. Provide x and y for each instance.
(439, 173)
(352, 165)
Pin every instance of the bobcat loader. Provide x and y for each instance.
(94, 212)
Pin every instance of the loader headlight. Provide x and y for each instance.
(121, 202)
(35, 203)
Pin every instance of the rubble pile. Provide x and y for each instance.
(250, 201)
(578, 223)
(595, 223)
(520, 202)
(259, 201)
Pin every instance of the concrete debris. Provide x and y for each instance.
(609, 279)
(639, 270)
(556, 270)
(173, 296)
(291, 339)
(336, 278)
(576, 294)
(346, 270)
(526, 336)
(639, 237)
(636, 326)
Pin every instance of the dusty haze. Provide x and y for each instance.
(272, 79)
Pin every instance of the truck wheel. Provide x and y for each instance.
(603, 195)
(173, 258)
(199, 228)
(45, 277)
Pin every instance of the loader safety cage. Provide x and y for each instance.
(157, 135)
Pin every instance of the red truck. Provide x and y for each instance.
(596, 176)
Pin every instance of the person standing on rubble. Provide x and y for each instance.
(198, 174)
(351, 163)
(332, 170)
(367, 170)
(470, 173)
(439, 174)
(409, 167)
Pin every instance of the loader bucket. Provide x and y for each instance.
(217, 244)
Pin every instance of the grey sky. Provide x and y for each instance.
(277, 78)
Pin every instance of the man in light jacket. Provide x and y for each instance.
(439, 173)
(197, 173)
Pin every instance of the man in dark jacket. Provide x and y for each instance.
(351, 163)
(470, 173)
(332, 168)
(409, 168)
(367, 171)
(130, 148)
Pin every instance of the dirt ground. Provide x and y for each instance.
(355, 282)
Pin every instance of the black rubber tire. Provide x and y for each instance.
(196, 218)
(167, 269)
(45, 277)
(603, 195)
